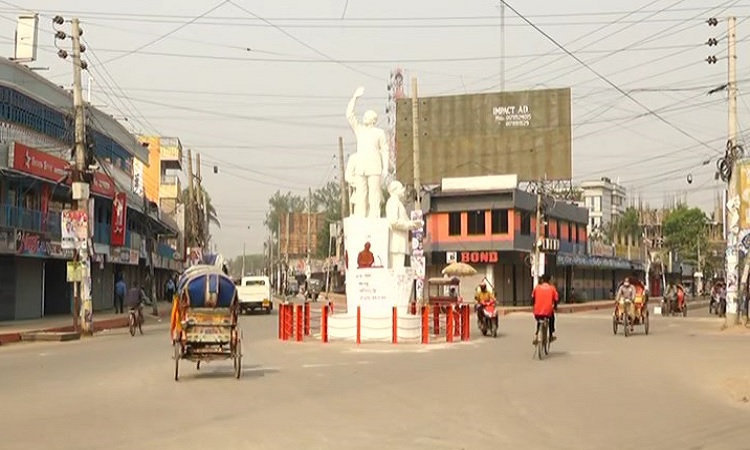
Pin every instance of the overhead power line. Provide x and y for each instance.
(605, 79)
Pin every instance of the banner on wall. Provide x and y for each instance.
(119, 219)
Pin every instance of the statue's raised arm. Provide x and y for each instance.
(350, 114)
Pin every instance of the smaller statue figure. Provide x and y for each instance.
(400, 224)
(372, 155)
(365, 259)
(357, 188)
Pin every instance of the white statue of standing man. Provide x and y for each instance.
(400, 224)
(369, 167)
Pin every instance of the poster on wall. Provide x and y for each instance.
(74, 226)
(7, 240)
(417, 253)
(137, 177)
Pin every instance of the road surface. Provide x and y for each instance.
(681, 387)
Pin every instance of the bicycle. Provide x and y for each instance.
(135, 319)
(544, 341)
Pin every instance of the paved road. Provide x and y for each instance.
(671, 389)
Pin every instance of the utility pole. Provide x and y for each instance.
(342, 182)
(536, 263)
(199, 207)
(80, 182)
(278, 259)
(150, 257)
(344, 202)
(191, 202)
(309, 230)
(243, 260)
(731, 158)
(415, 142)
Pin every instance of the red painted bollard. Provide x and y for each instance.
(281, 321)
(289, 321)
(298, 323)
(324, 324)
(436, 319)
(394, 327)
(449, 324)
(457, 329)
(425, 325)
(359, 325)
(467, 323)
(307, 318)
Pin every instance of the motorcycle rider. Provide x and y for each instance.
(482, 296)
(545, 299)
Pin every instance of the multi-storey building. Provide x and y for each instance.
(36, 137)
(605, 201)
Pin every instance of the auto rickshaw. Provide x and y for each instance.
(674, 302)
(630, 313)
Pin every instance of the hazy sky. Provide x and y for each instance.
(270, 117)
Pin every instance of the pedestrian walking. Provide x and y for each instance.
(120, 290)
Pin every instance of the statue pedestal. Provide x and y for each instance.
(376, 289)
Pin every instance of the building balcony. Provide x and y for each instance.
(30, 220)
(170, 153)
(170, 187)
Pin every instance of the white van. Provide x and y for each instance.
(255, 293)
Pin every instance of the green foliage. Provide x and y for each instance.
(685, 232)
(628, 225)
(326, 200)
(213, 216)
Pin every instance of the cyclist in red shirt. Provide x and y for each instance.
(545, 302)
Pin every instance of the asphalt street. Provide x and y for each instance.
(681, 387)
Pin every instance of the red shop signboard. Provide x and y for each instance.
(49, 167)
(479, 257)
(119, 219)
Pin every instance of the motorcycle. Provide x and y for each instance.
(718, 305)
(488, 320)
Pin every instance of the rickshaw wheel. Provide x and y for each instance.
(614, 324)
(625, 324)
(177, 355)
(684, 310)
(646, 323)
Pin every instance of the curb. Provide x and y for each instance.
(100, 325)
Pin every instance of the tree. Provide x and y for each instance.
(327, 200)
(627, 225)
(213, 216)
(684, 232)
(279, 205)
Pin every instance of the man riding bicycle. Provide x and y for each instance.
(135, 300)
(545, 300)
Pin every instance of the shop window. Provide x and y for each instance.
(526, 224)
(500, 221)
(475, 222)
(454, 224)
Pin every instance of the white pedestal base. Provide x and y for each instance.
(374, 328)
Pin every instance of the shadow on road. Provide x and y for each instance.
(226, 371)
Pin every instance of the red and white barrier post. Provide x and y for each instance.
(359, 325)
(324, 324)
(449, 324)
(307, 318)
(425, 324)
(281, 321)
(298, 323)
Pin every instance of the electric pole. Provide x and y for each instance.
(344, 201)
(200, 206)
(309, 230)
(243, 260)
(191, 202)
(415, 142)
(280, 280)
(731, 177)
(536, 263)
(342, 181)
(80, 184)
